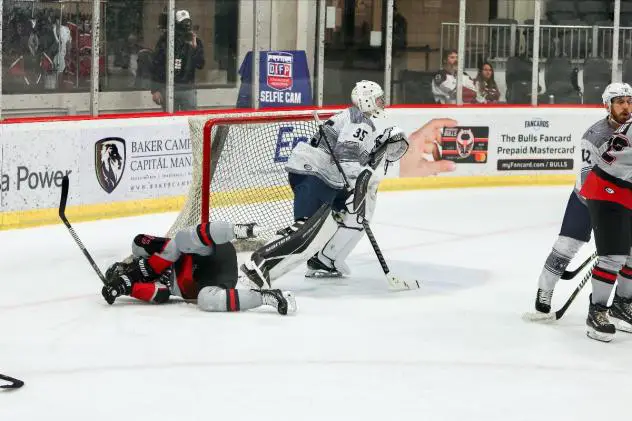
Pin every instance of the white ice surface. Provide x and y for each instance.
(455, 350)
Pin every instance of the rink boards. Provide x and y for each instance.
(129, 166)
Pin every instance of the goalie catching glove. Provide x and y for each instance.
(392, 144)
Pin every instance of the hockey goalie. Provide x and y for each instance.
(334, 181)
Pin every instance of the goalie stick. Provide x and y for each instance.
(13, 383)
(394, 282)
(65, 182)
(551, 317)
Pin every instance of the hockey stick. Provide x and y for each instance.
(393, 282)
(62, 214)
(571, 274)
(551, 317)
(13, 383)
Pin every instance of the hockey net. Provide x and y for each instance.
(239, 169)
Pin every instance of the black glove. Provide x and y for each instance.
(121, 276)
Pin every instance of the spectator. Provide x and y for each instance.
(486, 85)
(188, 56)
(45, 45)
(400, 31)
(64, 38)
(444, 82)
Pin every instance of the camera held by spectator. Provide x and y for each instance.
(188, 57)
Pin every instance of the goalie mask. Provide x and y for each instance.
(368, 96)
(465, 143)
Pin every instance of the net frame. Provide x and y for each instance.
(198, 200)
(207, 158)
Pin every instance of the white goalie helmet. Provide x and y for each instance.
(368, 96)
(615, 90)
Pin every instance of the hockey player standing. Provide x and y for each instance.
(198, 263)
(328, 216)
(576, 227)
(608, 191)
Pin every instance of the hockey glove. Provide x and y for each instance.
(392, 144)
(121, 276)
(119, 286)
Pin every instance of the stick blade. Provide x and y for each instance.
(65, 184)
(399, 284)
(13, 383)
(537, 317)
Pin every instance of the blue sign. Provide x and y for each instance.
(284, 80)
(286, 142)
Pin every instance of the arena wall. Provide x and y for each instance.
(513, 145)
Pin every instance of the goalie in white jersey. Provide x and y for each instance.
(576, 227)
(608, 193)
(328, 217)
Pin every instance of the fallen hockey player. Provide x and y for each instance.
(198, 263)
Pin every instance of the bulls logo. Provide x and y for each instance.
(109, 162)
(465, 142)
(280, 71)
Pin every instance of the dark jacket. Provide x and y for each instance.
(186, 60)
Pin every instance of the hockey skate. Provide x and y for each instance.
(621, 313)
(246, 231)
(283, 301)
(598, 324)
(317, 269)
(543, 301)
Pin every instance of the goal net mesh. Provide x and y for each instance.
(244, 158)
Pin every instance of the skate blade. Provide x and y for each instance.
(398, 284)
(323, 275)
(598, 336)
(538, 317)
(292, 307)
(621, 325)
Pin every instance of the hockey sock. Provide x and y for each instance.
(624, 286)
(602, 283)
(242, 299)
(151, 292)
(220, 299)
(564, 249)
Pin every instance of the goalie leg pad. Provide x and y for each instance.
(348, 234)
(280, 256)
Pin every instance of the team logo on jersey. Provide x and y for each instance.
(536, 123)
(109, 162)
(280, 71)
(609, 190)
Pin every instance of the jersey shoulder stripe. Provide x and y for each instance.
(598, 133)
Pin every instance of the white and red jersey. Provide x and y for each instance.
(611, 177)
